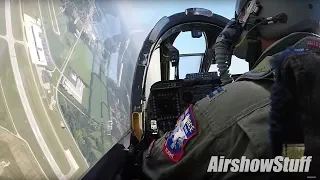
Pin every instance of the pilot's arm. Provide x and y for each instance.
(231, 122)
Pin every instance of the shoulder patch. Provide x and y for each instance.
(313, 43)
(214, 94)
(185, 129)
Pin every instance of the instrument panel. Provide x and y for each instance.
(168, 99)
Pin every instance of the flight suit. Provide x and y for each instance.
(232, 123)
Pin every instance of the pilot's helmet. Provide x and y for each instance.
(301, 16)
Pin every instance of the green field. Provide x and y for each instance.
(97, 153)
(85, 98)
(3, 30)
(98, 97)
(81, 62)
(5, 120)
(22, 163)
(12, 171)
(43, 122)
(59, 45)
(88, 132)
(55, 77)
(30, 7)
(66, 140)
(17, 111)
(57, 14)
(16, 20)
(38, 110)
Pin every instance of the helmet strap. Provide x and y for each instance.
(254, 48)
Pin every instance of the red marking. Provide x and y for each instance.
(313, 44)
(177, 157)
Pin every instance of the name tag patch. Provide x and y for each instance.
(185, 129)
(214, 94)
(315, 44)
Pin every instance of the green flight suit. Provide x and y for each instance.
(234, 124)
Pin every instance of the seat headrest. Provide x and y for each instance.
(283, 44)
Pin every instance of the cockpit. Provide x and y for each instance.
(86, 86)
(84, 82)
(157, 102)
(162, 104)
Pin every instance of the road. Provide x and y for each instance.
(16, 130)
(22, 93)
(64, 66)
(56, 87)
(75, 106)
(54, 23)
(26, 105)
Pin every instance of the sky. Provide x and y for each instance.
(142, 15)
(184, 42)
(146, 14)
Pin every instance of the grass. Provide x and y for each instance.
(5, 120)
(81, 61)
(13, 149)
(16, 20)
(17, 111)
(97, 153)
(98, 95)
(58, 46)
(96, 134)
(46, 129)
(61, 18)
(12, 171)
(108, 143)
(3, 30)
(85, 98)
(30, 7)
(105, 112)
(66, 138)
(38, 109)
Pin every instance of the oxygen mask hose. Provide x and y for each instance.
(223, 49)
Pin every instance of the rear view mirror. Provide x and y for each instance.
(196, 34)
(198, 11)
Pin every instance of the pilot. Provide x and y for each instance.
(234, 120)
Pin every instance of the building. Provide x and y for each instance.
(74, 86)
(46, 79)
(34, 34)
(46, 76)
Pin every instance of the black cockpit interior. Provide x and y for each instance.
(168, 99)
(155, 113)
